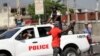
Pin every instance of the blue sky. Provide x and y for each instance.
(82, 4)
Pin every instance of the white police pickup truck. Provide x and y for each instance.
(39, 44)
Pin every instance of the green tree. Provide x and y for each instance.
(31, 11)
(48, 4)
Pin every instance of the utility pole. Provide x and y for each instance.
(75, 11)
(97, 8)
(76, 17)
(68, 14)
(18, 6)
(86, 16)
(74, 4)
(5, 6)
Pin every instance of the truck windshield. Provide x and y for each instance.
(8, 33)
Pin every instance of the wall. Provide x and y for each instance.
(95, 30)
(6, 22)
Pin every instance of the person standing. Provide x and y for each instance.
(88, 30)
(56, 35)
(19, 21)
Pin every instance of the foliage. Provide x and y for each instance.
(31, 11)
(48, 4)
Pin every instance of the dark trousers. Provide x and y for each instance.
(56, 51)
(90, 51)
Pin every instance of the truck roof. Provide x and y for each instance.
(28, 26)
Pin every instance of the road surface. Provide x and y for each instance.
(96, 49)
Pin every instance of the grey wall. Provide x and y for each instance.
(96, 28)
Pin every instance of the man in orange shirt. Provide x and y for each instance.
(56, 35)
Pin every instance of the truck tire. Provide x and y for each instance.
(70, 52)
(4, 54)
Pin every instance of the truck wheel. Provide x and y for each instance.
(70, 52)
(4, 54)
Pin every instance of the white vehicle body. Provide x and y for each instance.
(39, 46)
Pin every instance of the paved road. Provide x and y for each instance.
(96, 49)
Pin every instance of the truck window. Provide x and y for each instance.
(8, 33)
(26, 34)
(43, 30)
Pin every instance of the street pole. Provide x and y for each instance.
(75, 11)
(86, 16)
(8, 16)
(68, 16)
(6, 6)
(39, 20)
(97, 8)
(9, 9)
(96, 13)
(74, 4)
(76, 17)
(18, 6)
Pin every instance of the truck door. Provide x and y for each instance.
(45, 38)
(24, 44)
(32, 46)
